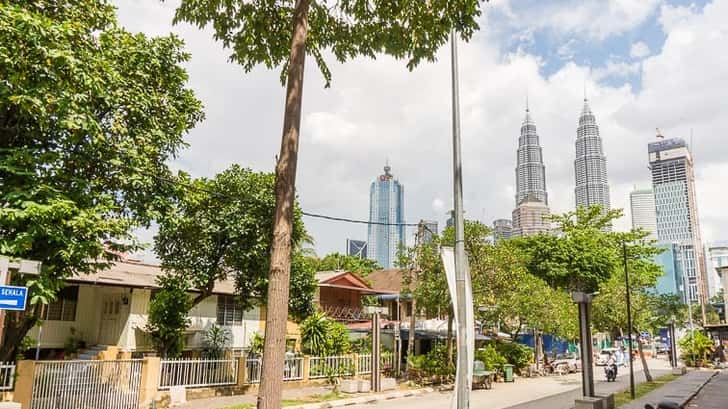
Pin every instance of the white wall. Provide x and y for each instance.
(55, 333)
(204, 315)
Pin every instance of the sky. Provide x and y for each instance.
(643, 64)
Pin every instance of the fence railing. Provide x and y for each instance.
(7, 375)
(324, 366)
(292, 369)
(364, 366)
(197, 372)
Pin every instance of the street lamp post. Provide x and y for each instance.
(463, 389)
(629, 322)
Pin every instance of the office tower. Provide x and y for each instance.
(450, 222)
(502, 229)
(386, 219)
(590, 165)
(426, 229)
(676, 210)
(671, 280)
(531, 196)
(642, 205)
(356, 248)
(716, 256)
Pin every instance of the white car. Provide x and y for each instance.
(604, 356)
(568, 362)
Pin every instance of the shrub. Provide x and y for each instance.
(491, 358)
(216, 341)
(518, 355)
(696, 348)
(323, 336)
(256, 344)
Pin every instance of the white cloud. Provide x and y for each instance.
(377, 109)
(639, 50)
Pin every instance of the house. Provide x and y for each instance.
(110, 308)
(340, 295)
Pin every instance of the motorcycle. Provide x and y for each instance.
(611, 372)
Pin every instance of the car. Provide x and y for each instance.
(604, 356)
(568, 362)
(662, 348)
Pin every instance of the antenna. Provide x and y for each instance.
(584, 89)
(690, 148)
(526, 100)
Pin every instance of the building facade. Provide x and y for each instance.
(386, 219)
(356, 248)
(590, 165)
(671, 281)
(531, 195)
(642, 207)
(676, 210)
(502, 229)
(716, 255)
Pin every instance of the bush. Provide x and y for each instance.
(696, 348)
(433, 366)
(491, 358)
(256, 344)
(518, 355)
(322, 336)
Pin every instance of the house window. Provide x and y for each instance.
(229, 311)
(64, 307)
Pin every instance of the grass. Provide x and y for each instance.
(316, 398)
(642, 389)
(246, 406)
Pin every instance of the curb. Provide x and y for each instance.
(359, 400)
(697, 390)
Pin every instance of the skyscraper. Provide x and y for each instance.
(502, 229)
(590, 165)
(716, 255)
(642, 205)
(531, 196)
(676, 210)
(386, 218)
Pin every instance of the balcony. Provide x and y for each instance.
(345, 313)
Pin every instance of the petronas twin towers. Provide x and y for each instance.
(590, 170)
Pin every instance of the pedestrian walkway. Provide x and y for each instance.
(681, 390)
(218, 402)
(714, 395)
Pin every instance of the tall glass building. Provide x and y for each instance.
(676, 209)
(716, 255)
(642, 206)
(386, 219)
(590, 165)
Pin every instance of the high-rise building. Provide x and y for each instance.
(426, 229)
(716, 256)
(531, 196)
(502, 229)
(676, 210)
(450, 222)
(386, 218)
(671, 281)
(590, 165)
(642, 206)
(356, 248)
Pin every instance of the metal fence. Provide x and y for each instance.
(86, 384)
(7, 375)
(324, 366)
(197, 372)
(365, 365)
(292, 369)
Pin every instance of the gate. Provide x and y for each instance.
(86, 384)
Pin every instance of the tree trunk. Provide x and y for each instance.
(269, 394)
(17, 325)
(411, 333)
(645, 368)
(449, 336)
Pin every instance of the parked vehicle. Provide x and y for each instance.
(662, 348)
(604, 356)
(568, 362)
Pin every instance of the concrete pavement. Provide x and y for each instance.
(714, 394)
(557, 392)
(679, 391)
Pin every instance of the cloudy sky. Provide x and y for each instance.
(645, 64)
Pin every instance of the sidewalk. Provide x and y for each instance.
(681, 390)
(714, 395)
(218, 402)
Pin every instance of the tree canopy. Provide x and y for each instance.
(90, 115)
(338, 261)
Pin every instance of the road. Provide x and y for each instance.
(557, 392)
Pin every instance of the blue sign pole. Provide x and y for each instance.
(13, 298)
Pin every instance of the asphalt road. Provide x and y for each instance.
(566, 400)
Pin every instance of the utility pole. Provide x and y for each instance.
(463, 389)
(629, 322)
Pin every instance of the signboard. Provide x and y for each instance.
(13, 298)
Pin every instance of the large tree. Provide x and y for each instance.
(89, 117)
(338, 261)
(221, 228)
(279, 33)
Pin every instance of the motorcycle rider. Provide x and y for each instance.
(611, 365)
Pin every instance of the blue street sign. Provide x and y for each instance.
(13, 298)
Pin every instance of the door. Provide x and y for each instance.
(110, 328)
